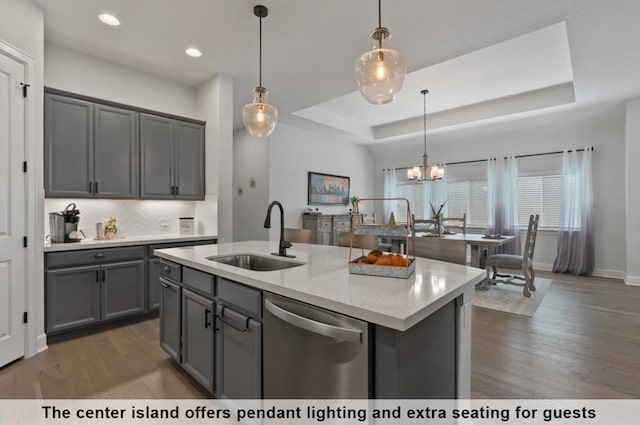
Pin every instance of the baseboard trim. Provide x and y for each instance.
(613, 274)
(632, 280)
(41, 343)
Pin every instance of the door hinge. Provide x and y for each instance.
(25, 317)
(24, 89)
(24, 242)
(24, 166)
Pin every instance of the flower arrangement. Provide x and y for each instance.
(437, 214)
(353, 200)
(110, 227)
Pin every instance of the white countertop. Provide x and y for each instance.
(324, 281)
(126, 241)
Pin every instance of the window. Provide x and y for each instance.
(540, 194)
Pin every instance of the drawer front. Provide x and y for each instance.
(343, 225)
(198, 281)
(170, 270)
(324, 224)
(152, 248)
(94, 256)
(242, 298)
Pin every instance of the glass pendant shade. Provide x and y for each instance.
(259, 117)
(380, 71)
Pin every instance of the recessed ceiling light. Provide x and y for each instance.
(193, 52)
(109, 19)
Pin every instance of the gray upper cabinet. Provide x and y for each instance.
(116, 153)
(189, 151)
(68, 163)
(172, 158)
(100, 149)
(156, 157)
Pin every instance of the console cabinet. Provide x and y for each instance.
(324, 227)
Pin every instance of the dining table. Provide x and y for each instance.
(476, 241)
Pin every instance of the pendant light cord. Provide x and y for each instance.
(379, 13)
(424, 92)
(260, 55)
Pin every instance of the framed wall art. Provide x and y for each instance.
(328, 189)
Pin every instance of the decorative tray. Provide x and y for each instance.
(382, 271)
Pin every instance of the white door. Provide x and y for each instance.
(12, 210)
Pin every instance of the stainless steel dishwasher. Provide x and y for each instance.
(313, 353)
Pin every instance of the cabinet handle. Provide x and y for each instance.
(90, 187)
(207, 323)
(104, 275)
(95, 187)
(166, 269)
(173, 190)
(177, 190)
(97, 275)
(233, 325)
(99, 255)
(164, 285)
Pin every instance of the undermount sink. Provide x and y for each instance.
(255, 262)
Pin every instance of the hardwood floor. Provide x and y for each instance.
(583, 342)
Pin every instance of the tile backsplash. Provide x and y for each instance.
(139, 217)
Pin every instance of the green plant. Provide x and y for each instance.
(111, 223)
(353, 200)
(437, 214)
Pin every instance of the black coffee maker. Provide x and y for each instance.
(61, 224)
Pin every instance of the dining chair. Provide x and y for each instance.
(359, 241)
(455, 224)
(297, 235)
(429, 225)
(451, 251)
(522, 263)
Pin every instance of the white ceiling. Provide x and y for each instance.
(481, 59)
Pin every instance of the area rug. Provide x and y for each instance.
(509, 298)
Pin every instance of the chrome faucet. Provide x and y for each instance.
(282, 247)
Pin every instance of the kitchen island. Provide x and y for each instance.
(417, 335)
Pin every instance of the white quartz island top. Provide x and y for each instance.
(125, 241)
(324, 281)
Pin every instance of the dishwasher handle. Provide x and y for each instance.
(320, 328)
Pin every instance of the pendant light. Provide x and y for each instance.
(259, 117)
(380, 71)
(424, 172)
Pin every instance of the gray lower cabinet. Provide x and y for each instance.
(154, 290)
(172, 158)
(238, 355)
(73, 297)
(170, 317)
(122, 289)
(198, 337)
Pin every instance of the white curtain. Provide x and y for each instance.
(390, 182)
(575, 233)
(502, 202)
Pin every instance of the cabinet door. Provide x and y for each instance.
(189, 160)
(340, 225)
(156, 157)
(116, 162)
(170, 317)
(73, 297)
(68, 147)
(122, 289)
(153, 284)
(197, 338)
(238, 355)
